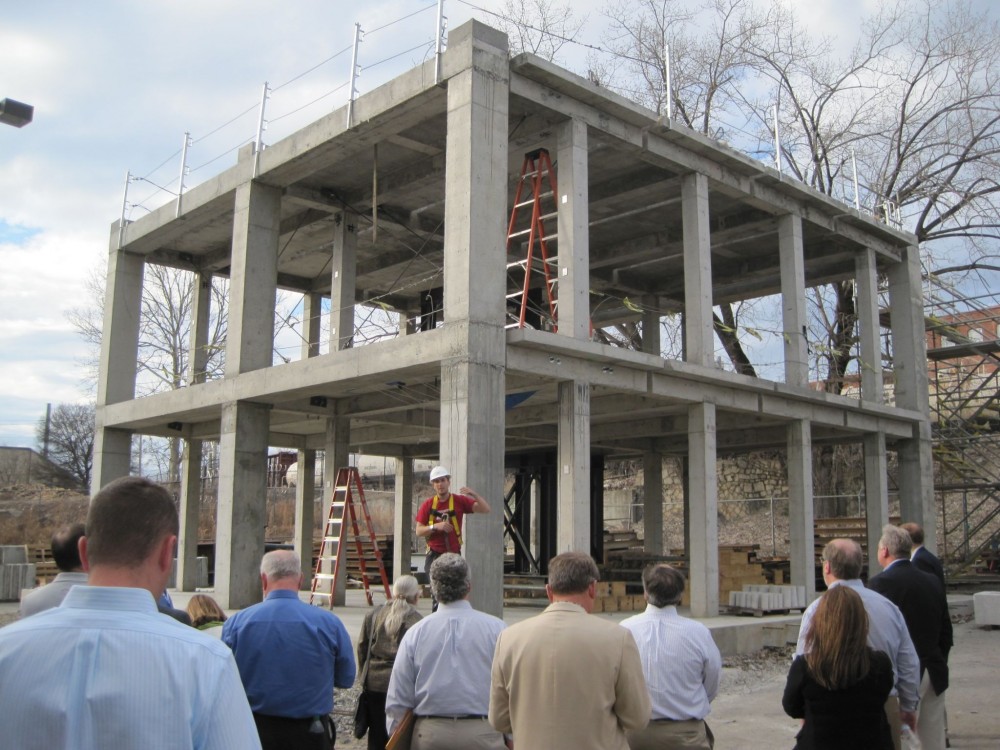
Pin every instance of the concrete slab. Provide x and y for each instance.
(986, 605)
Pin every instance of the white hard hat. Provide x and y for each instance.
(439, 471)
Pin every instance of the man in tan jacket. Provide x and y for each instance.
(565, 679)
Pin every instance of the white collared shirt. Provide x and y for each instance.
(680, 662)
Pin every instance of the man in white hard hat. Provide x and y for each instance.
(439, 518)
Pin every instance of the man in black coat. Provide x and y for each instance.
(922, 557)
(921, 599)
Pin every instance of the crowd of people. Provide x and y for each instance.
(870, 664)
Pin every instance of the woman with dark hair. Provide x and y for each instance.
(840, 686)
(381, 632)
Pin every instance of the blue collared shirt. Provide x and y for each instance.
(291, 655)
(443, 664)
(106, 670)
(886, 632)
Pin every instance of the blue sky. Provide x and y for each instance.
(115, 85)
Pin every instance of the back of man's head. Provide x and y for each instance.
(450, 579)
(663, 584)
(280, 565)
(572, 573)
(896, 541)
(66, 547)
(126, 522)
(845, 559)
(916, 532)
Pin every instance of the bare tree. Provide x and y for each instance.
(541, 27)
(70, 439)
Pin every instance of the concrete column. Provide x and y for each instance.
(801, 531)
(573, 514)
(652, 502)
(793, 300)
(704, 511)
(119, 352)
(866, 284)
(190, 507)
(343, 281)
(698, 342)
(242, 503)
(916, 468)
(402, 518)
(252, 289)
(305, 506)
(472, 385)
(651, 333)
(338, 437)
(201, 303)
(312, 318)
(573, 285)
(876, 494)
(472, 447)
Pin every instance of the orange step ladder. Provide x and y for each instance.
(341, 521)
(535, 172)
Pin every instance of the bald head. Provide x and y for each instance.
(843, 559)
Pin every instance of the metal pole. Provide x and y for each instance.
(669, 109)
(777, 142)
(259, 145)
(438, 38)
(854, 167)
(354, 74)
(184, 156)
(121, 222)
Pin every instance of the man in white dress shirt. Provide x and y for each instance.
(680, 662)
(442, 668)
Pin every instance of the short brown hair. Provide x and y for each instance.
(572, 573)
(915, 530)
(127, 520)
(663, 584)
(203, 609)
(845, 558)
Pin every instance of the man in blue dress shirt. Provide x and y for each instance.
(291, 656)
(105, 669)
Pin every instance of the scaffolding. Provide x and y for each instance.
(962, 315)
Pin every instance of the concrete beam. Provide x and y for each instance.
(573, 218)
(703, 509)
(793, 301)
(698, 347)
(573, 533)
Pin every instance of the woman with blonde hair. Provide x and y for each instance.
(206, 614)
(382, 630)
(840, 686)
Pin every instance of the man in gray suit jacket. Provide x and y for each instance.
(66, 555)
(566, 678)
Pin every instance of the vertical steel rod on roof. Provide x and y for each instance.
(777, 142)
(259, 145)
(121, 222)
(438, 37)
(184, 156)
(354, 74)
(854, 167)
(669, 109)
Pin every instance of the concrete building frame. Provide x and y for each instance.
(653, 219)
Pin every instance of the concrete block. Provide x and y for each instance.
(14, 577)
(12, 554)
(986, 605)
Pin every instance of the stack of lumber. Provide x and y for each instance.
(619, 542)
(856, 528)
(16, 573)
(45, 566)
(738, 567)
(612, 596)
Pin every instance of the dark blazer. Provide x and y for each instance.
(836, 719)
(928, 562)
(921, 598)
(178, 614)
